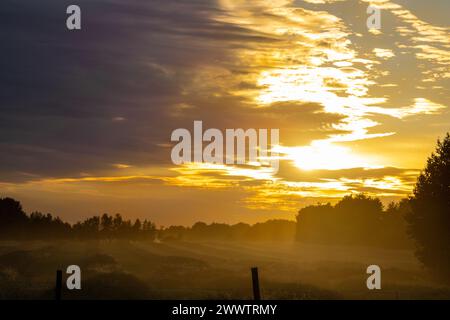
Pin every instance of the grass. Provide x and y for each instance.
(215, 270)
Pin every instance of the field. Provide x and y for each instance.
(210, 270)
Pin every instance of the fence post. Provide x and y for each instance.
(255, 281)
(58, 287)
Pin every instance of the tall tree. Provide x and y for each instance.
(429, 218)
(13, 219)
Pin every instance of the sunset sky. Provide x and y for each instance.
(86, 116)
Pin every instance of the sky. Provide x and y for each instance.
(86, 116)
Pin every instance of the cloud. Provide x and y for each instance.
(383, 53)
(90, 112)
(74, 101)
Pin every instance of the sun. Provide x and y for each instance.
(324, 155)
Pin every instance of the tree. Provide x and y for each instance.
(394, 224)
(106, 223)
(354, 220)
(13, 219)
(359, 218)
(429, 217)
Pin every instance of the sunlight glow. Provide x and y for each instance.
(325, 155)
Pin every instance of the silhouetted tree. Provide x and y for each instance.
(106, 224)
(272, 230)
(149, 230)
(118, 224)
(13, 220)
(354, 220)
(42, 226)
(314, 224)
(89, 228)
(429, 219)
(359, 218)
(394, 225)
(172, 233)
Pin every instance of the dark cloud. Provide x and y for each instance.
(61, 90)
(289, 172)
(77, 101)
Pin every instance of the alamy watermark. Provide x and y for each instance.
(73, 281)
(73, 21)
(242, 147)
(374, 280)
(374, 19)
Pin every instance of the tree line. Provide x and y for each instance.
(271, 230)
(15, 224)
(355, 220)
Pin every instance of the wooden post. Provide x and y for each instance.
(255, 281)
(58, 287)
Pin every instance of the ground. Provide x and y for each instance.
(211, 270)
